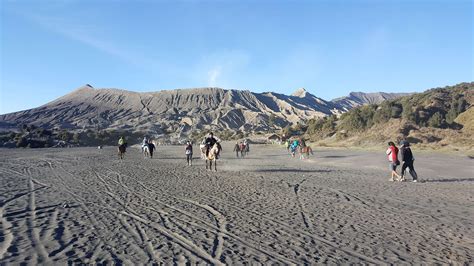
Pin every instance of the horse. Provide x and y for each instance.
(213, 155)
(146, 151)
(202, 148)
(121, 150)
(305, 151)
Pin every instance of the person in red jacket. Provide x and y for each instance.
(392, 153)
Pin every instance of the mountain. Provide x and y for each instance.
(173, 110)
(355, 99)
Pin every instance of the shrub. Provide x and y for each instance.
(436, 120)
(396, 110)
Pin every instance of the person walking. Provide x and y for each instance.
(189, 153)
(237, 149)
(406, 156)
(287, 145)
(151, 148)
(392, 153)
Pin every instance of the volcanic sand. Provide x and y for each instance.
(83, 205)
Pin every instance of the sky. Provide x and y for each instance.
(330, 48)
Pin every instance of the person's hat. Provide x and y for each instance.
(404, 143)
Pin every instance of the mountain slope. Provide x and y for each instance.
(355, 99)
(182, 109)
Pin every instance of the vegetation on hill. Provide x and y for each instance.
(30, 136)
(440, 115)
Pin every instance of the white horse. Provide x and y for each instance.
(202, 148)
(212, 156)
(146, 151)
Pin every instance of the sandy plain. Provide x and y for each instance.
(83, 205)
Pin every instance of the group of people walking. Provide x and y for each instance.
(406, 157)
(241, 147)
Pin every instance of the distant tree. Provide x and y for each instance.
(407, 111)
(383, 113)
(354, 121)
(435, 120)
(451, 115)
(461, 105)
(396, 110)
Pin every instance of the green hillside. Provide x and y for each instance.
(440, 117)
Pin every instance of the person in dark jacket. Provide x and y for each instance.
(189, 153)
(210, 141)
(151, 148)
(407, 158)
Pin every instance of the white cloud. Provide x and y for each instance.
(221, 68)
(212, 76)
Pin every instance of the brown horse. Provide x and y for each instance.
(305, 151)
(213, 155)
(121, 151)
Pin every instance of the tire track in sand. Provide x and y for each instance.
(95, 224)
(276, 256)
(35, 237)
(322, 240)
(140, 235)
(186, 243)
(221, 223)
(182, 241)
(7, 234)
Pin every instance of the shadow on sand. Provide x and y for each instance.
(336, 156)
(449, 180)
(291, 171)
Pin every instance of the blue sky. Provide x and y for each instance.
(49, 48)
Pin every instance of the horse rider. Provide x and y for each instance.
(209, 142)
(287, 145)
(144, 142)
(246, 143)
(293, 147)
(121, 141)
